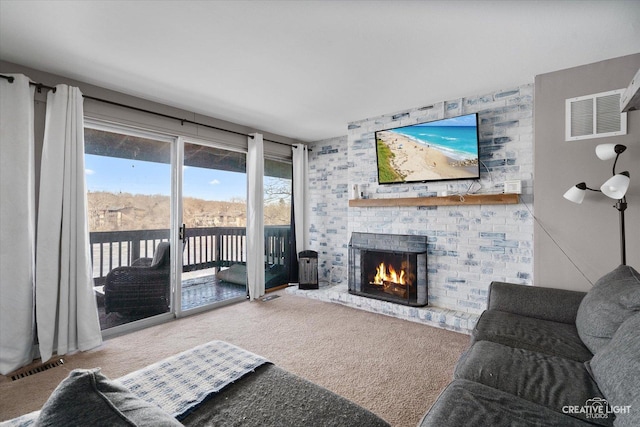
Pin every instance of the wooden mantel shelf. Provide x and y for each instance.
(469, 199)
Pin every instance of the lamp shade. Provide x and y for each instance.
(609, 151)
(576, 193)
(616, 186)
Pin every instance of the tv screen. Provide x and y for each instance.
(434, 151)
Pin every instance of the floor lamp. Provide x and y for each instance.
(615, 188)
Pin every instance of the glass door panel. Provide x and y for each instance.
(277, 222)
(129, 213)
(214, 214)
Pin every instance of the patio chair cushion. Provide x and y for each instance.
(275, 275)
(162, 254)
(86, 397)
(237, 274)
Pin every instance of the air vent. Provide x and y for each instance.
(595, 116)
(26, 372)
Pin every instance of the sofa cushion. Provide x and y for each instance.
(616, 369)
(544, 336)
(467, 403)
(614, 298)
(558, 305)
(86, 397)
(550, 381)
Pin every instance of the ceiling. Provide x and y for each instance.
(305, 69)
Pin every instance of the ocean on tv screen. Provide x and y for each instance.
(458, 142)
(441, 150)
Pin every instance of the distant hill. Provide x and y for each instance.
(125, 211)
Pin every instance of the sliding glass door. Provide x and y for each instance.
(214, 219)
(167, 219)
(277, 222)
(129, 178)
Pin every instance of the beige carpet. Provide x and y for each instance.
(392, 367)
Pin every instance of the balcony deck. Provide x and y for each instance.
(197, 290)
(205, 252)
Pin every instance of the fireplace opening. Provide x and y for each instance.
(389, 273)
(389, 267)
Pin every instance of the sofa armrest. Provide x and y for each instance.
(558, 305)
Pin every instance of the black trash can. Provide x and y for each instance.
(308, 270)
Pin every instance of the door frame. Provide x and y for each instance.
(176, 142)
(126, 129)
(177, 210)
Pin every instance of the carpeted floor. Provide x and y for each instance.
(392, 367)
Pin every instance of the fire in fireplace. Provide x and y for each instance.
(389, 272)
(389, 267)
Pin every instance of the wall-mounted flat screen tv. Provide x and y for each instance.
(440, 150)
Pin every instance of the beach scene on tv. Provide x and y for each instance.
(439, 150)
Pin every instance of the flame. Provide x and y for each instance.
(388, 274)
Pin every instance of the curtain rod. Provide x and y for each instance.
(41, 86)
(38, 86)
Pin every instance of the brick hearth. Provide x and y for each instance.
(433, 316)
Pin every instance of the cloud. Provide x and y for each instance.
(214, 182)
(89, 171)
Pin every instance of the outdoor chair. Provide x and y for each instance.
(144, 287)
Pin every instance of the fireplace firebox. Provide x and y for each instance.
(389, 267)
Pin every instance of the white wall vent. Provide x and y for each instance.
(595, 116)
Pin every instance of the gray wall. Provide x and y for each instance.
(126, 116)
(577, 244)
(104, 111)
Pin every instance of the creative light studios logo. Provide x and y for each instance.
(596, 407)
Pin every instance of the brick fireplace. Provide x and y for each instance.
(389, 267)
(469, 246)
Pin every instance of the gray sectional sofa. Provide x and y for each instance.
(550, 357)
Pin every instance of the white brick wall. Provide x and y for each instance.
(328, 187)
(469, 246)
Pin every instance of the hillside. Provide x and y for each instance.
(125, 211)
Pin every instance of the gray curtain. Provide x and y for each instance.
(300, 154)
(66, 309)
(17, 223)
(255, 217)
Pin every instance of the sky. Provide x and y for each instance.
(138, 177)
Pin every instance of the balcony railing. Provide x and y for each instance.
(204, 247)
